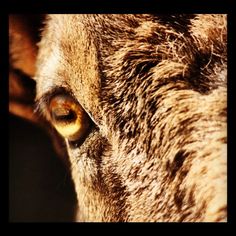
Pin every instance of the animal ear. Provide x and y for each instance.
(24, 33)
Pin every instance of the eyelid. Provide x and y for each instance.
(42, 103)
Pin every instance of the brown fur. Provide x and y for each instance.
(155, 90)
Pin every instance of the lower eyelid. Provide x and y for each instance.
(75, 144)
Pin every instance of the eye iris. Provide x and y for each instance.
(69, 118)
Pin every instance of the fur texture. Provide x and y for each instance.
(154, 87)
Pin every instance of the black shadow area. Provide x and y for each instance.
(40, 187)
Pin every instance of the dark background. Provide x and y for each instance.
(40, 186)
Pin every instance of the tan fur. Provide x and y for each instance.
(155, 90)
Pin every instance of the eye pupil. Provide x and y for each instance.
(63, 114)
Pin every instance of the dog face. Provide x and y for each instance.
(140, 102)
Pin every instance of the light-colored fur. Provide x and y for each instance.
(155, 90)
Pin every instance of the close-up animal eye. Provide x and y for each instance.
(133, 105)
(68, 117)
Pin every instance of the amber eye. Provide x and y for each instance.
(68, 117)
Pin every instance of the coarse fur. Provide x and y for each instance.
(155, 89)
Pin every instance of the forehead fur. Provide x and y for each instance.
(155, 86)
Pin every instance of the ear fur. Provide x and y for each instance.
(23, 38)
